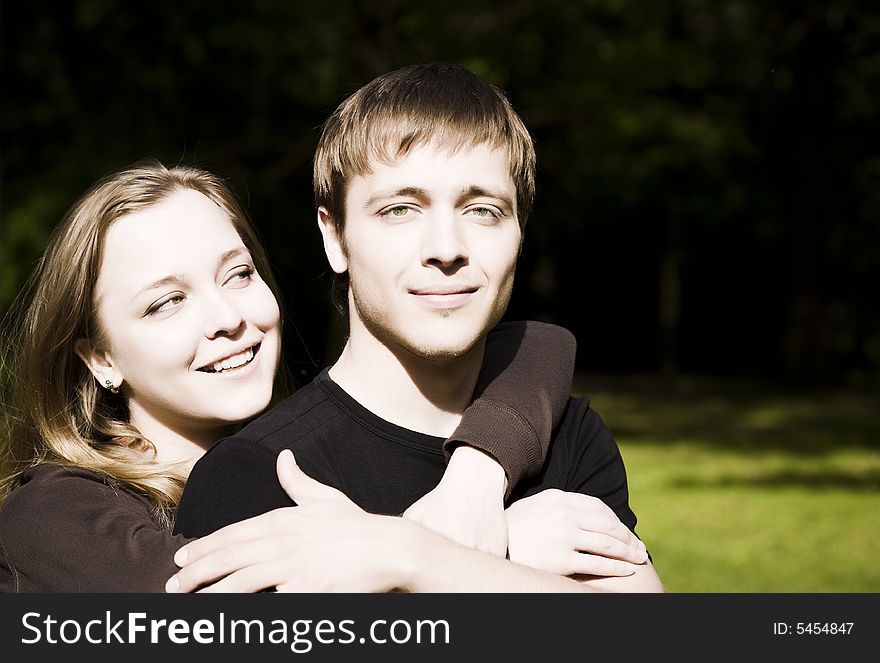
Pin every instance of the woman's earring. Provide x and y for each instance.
(110, 387)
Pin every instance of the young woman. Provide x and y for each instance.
(151, 330)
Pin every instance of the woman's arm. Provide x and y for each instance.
(67, 530)
(521, 394)
(522, 391)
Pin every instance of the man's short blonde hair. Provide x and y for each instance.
(436, 103)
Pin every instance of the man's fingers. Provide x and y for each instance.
(594, 515)
(586, 564)
(608, 546)
(610, 525)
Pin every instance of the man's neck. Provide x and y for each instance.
(428, 396)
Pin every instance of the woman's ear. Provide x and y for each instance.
(333, 246)
(100, 363)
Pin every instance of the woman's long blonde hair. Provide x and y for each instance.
(55, 412)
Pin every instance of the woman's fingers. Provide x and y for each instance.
(218, 564)
(246, 530)
(298, 485)
(249, 579)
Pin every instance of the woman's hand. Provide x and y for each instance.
(571, 533)
(467, 506)
(326, 544)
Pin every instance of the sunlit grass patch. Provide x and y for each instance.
(753, 492)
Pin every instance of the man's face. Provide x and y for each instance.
(431, 244)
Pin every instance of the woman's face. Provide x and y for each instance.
(193, 331)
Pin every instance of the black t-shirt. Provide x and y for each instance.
(382, 467)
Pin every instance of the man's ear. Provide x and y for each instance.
(332, 242)
(99, 362)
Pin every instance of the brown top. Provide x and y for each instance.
(66, 529)
(520, 397)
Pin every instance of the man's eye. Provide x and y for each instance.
(487, 213)
(398, 213)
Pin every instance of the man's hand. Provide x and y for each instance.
(467, 505)
(571, 533)
(326, 544)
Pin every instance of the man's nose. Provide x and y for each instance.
(444, 244)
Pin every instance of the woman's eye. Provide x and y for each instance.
(240, 278)
(166, 305)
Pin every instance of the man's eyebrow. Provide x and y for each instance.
(479, 192)
(407, 191)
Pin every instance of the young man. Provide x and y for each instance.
(424, 179)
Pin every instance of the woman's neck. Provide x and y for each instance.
(179, 441)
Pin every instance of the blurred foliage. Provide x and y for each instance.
(708, 195)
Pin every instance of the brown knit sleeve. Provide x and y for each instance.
(522, 391)
(68, 530)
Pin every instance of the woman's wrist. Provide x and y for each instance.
(473, 468)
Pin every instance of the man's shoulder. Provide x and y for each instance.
(296, 416)
(577, 408)
(581, 429)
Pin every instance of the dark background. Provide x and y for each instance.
(709, 172)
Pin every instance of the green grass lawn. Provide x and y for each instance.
(740, 487)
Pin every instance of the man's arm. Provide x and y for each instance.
(586, 452)
(576, 535)
(329, 544)
(645, 579)
(243, 483)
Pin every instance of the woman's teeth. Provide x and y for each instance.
(234, 362)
